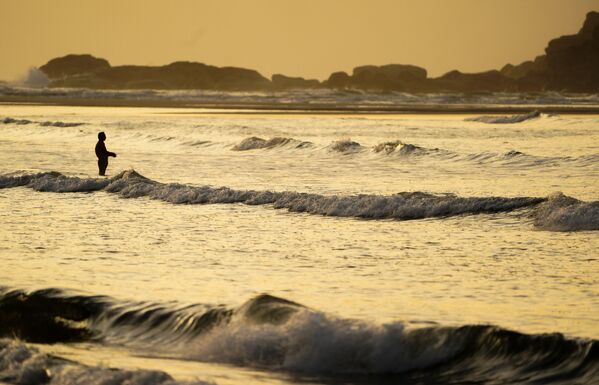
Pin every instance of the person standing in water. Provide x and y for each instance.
(102, 153)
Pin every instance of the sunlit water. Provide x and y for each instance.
(502, 268)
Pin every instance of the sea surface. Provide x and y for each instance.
(240, 247)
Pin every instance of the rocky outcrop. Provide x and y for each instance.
(573, 60)
(282, 82)
(73, 65)
(490, 81)
(338, 80)
(388, 77)
(178, 75)
(570, 63)
(524, 69)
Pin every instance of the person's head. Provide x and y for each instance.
(101, 136)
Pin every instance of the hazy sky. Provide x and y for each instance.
(309, 38)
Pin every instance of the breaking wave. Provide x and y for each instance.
(399, 147)
(345, 146)
(401, 206)
(557, 212)
(22, 122)
(274, 333)
(563, 213)
(510, 119)
(254, 143)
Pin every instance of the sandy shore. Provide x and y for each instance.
(301, 108)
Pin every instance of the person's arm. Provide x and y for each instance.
(102, 152)
(106, 152)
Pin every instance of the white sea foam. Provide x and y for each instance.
(24, 365)
(315, 342)
(563, 213)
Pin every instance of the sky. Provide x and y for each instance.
(309, 38)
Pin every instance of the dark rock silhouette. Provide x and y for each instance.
(282, 82)
(570, 63)
(69, 65)
(338, 80)
(527, 68)
(490, 81)
(573, 60)
(388, 77)
(178, 75)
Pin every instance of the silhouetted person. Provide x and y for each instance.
(102, 153)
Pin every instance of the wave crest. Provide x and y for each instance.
(557, 212)
(509, 119)
(275, 333)
(345, 146)
(564, 213)
(254, 143)
(398, 147)
(402, 206)
(22, 122)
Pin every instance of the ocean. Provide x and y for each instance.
(240, 247)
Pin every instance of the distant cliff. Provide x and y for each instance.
(570, 63)
(90, 72)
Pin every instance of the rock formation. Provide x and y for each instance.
(70, 65)
(570, 63)
(282, 82)
(88, 71)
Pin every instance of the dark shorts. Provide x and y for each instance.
(102, 164)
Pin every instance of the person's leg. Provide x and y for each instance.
(102, 164)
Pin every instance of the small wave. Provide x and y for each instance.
(198, 143)
(60, 124)
(21, 122)
(274, 333)
(345, 146)
(398, 147)
(254, 143)
(16, 121)
(25, 365)
(563, 213)
(505, 119)
(513, 154)
(401, 206)
(53, 182)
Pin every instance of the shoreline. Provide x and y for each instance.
(301, 108)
